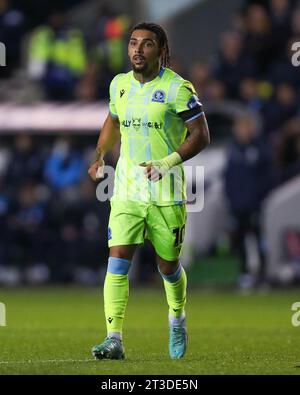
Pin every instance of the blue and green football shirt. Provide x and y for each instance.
(152, 120)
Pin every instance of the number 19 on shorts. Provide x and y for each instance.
(179, 236)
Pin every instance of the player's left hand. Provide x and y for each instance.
(154, 170)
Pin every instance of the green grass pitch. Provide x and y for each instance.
(51, 331)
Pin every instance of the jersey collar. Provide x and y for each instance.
(159, 75)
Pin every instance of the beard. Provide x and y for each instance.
(139, 69)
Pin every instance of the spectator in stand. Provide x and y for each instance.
(259, 41)
(249, 94)
(233, 63)
(200, 74)
(239, 22)
(177, 65)
(87, 88)
(25, 233)
(282, 107)
(5, 204)
(57, 57)
(93, 233)
(207, 87)
(65, 167)
(25, 162)
(105, 13)
(79, 237)
(248, 178)
(215, 90)
(280, 12)
(67, 244)
(288, 151)
(110, 55)
(12, 28)
(63, 244)
(296, 24)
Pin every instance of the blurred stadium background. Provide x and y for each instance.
(60, 59)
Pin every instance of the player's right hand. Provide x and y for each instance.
(96, 170)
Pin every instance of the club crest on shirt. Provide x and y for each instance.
(159, 96)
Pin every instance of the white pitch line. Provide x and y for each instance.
(46, 361)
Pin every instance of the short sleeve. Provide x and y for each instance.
(187, 104)
(112, 98)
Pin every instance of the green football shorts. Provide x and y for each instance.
(131, 222)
